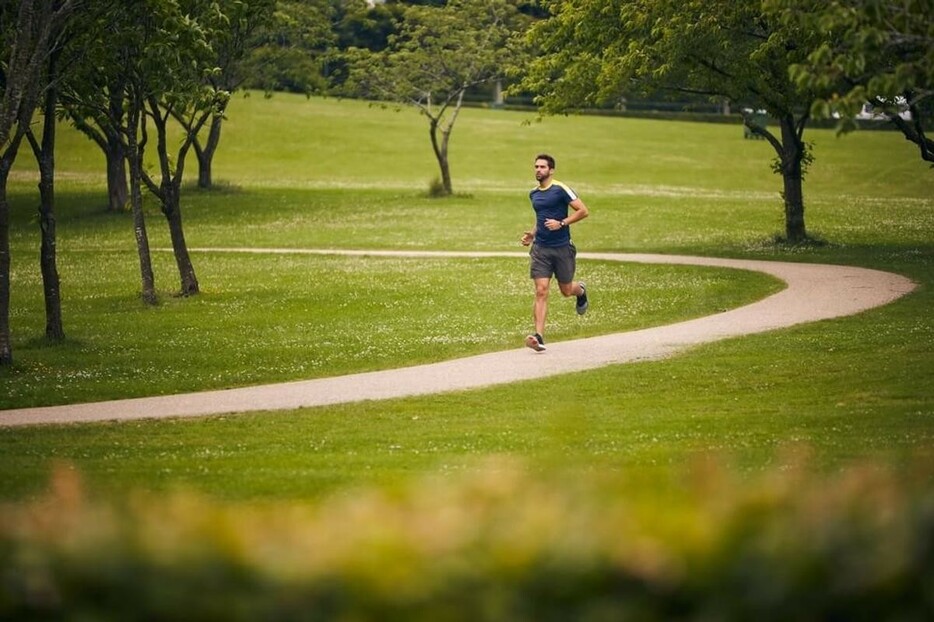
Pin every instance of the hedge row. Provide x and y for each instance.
(686, 114)
(499, 543)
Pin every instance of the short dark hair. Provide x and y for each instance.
(546, 158)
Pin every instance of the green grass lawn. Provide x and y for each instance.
(318, 173)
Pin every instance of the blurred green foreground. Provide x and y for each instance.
(500, 542)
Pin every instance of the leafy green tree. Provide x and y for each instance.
(93, 86)
(596, 51)
(101, 94)
(361, 25)
(139, 55)
(290, 50)
(879, 52)
(147, 66)
(107, 92)
(172, 85)
(438, 54)
(232, 40)
(29, 29)
(66, 51)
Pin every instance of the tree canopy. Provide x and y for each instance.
(876, 52)
(597, 51)
(436, 56)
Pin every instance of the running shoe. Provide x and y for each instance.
(535, 342)
(582, 303)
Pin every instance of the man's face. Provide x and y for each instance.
(542, 170)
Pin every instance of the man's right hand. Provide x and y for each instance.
(527, 238)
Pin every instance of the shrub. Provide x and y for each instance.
(500, 543)
(436, 188)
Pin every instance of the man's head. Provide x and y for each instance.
(544, 167)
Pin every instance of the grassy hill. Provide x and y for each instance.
(325, 173)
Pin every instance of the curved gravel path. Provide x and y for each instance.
(814, 292)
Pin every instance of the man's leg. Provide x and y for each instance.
(565, 270)
(540, 307)
(576, 288)
(565, 267)
(539, 311)
(541, 271)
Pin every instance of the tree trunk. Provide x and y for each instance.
(135, 156)
(172, 209)
(51, 284)
(441, 155)
(792, 156)
(115, 149)
(107, 134)
(6, 163)
(206, 155)
(169, 191)
(6, 346)
(117, 190)
(445, 173)
(147, 277)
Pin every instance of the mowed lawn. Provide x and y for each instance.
(324, 173)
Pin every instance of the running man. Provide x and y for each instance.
(552, 253)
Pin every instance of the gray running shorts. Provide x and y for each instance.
(547, 262)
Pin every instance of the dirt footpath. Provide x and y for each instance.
(814, 292)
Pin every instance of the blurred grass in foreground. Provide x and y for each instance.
(497, 542)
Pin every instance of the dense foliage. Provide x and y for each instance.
(498, 543)
(874, 53)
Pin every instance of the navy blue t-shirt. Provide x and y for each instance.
(551, 202)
